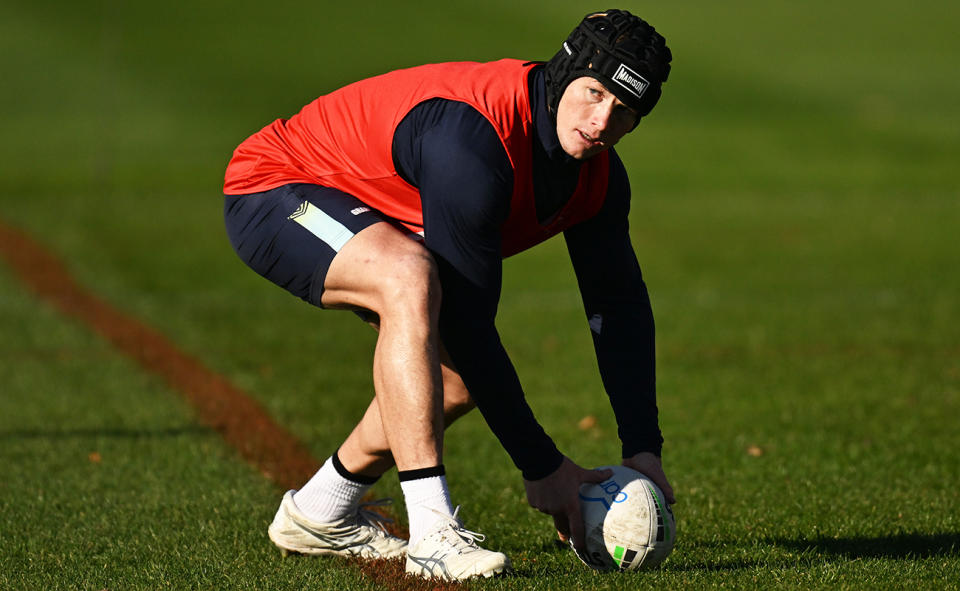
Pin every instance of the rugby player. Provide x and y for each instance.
(398, 197)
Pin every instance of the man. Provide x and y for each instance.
(397, 197)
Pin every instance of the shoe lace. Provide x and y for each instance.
(372, 517)
(469, 537)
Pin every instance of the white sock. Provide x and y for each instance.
(424, 497)
(330, 496)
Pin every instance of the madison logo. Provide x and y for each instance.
(630, 80)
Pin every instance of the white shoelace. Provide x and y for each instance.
(373, 518)
(469, 537)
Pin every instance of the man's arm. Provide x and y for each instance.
(618, 310)
(454, 157)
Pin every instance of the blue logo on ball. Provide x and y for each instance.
(613, 494)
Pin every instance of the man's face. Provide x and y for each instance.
(590, 118)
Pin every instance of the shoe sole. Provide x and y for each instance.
(488, 573)
(499, 572)
(287, 549)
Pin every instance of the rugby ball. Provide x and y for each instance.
(627, 522)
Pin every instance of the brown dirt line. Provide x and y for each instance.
(241, 421)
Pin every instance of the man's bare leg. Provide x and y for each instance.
(382, 270)
(365, 455)
(366, 450)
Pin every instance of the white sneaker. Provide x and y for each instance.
(362, 534)
(450, 552)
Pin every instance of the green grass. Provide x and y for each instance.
(796, 202)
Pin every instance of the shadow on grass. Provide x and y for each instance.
(807, 551)
(900, 546)
(112, 433)
(720, 565)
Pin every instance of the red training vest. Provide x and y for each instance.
(344, 140)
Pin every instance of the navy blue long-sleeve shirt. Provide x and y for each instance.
(453, 155)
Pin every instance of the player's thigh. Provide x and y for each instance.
(383, 270)
(291, 234)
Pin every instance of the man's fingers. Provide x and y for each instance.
(575, 521)
(598, 475)
(667, 492)
(649, 465)
(664, 486)
(574, 518)
(563, 529)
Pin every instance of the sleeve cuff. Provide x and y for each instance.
(543, 468)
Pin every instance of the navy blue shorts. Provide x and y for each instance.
(291, 234)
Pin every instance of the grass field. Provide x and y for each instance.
(796, 209)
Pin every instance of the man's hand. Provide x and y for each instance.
(557, 495)
(648, 464)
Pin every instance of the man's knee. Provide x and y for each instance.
(457, 401)
(456, 398)
(412, 272)
(383, 270)
(410, 282)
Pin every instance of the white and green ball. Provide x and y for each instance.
(628, 523)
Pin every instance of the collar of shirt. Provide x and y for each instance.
(544, 122)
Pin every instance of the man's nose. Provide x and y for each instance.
(600, 117)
